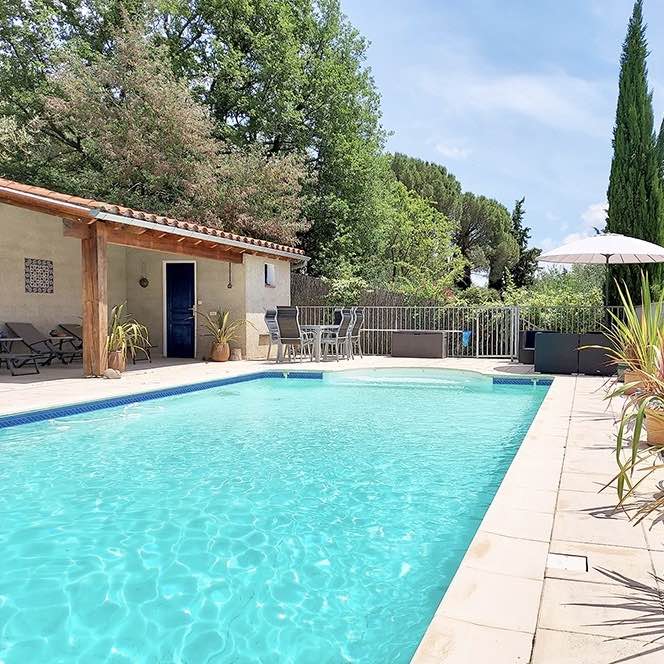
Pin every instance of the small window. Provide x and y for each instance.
(270, 277)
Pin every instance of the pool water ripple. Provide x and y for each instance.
(271, 521)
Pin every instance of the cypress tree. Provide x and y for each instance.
(660, 153)
(523, 271)
(635, 190)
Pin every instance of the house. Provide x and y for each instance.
(65, 258)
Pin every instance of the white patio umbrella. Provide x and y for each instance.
(606, 249)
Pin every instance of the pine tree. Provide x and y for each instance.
(635, 190)
(523, 272)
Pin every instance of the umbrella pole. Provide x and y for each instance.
(606, 291)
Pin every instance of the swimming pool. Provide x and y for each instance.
(276, 520)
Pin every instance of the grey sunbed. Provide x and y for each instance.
(45, 348)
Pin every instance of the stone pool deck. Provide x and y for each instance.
(553, 576)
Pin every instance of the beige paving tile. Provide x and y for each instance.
(606, 564)
(506, 555)
(573, 527)
(478, 597)
(599, 505)
(589, 482)
(552, 647)
(533, 475)
(579, 460)
(459, 642)
(627, 611)
(517, 523)
(654, 534)
(531, 500)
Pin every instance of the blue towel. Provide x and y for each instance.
(465, 338)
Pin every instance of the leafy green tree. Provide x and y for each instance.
(432, 182)
(120, 127)
(484, 237)
(290, 75)
(524, 270)
(635, 190)
(416, 251)
(283, 76)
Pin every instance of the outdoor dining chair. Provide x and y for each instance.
(358, 321)
(338, 339)
(273, 330)
(292, 337)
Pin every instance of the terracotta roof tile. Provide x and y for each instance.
(143, 216)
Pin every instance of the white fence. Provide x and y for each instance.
(470, 331)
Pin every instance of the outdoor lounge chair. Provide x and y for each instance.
(338, 340)
(16, 358)
(44, 348)
(291, 336)
(74, 330)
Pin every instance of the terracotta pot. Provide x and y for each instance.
(631, 376)
(655, 426)
(117, 360)
(219, 352)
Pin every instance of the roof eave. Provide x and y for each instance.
(175, 230)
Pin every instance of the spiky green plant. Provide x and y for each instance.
(637, 342)
(220, 327)
(634, 336)
(125, 334)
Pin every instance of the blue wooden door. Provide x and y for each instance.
(180, 323)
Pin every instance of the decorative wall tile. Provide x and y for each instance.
(38, 275)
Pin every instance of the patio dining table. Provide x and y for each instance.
(318, 336)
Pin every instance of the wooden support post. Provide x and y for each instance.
(95, 307)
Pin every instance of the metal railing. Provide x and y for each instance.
(469, 331)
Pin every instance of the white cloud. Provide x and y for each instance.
(469, 82)
(452, 151)
(593, 217)
(556, 100)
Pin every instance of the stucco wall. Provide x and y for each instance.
(27, 234)
(146, 304)
(260, 297)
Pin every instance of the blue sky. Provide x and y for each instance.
(516, 97)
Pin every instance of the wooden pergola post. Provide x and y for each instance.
(95, 307)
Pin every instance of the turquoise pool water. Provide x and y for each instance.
(268, 521)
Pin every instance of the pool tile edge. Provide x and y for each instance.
(477, 598)
(41, 414)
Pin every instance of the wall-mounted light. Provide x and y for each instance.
(143, 282)
(230, 276)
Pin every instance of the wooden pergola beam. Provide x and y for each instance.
(95, 307)
(173, 244)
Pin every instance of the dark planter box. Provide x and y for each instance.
(418, 344)
(556, 353)
(595, 361)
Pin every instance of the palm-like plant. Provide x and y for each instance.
(635, 336)
(220, 327)
(637, 342)
(125, 334)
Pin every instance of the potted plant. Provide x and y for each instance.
(223, 331)
(125, 335)
(635, 337)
